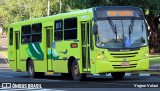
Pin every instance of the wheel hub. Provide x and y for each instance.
(76, 70)
(30, 70)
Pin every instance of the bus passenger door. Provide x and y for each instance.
(85, 45)
(49, 39)
(17, 41)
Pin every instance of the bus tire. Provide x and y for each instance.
(76, 75)
(118, 75)
(31, 71)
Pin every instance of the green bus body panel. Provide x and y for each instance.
(35, 51)
(57, 58)
(23, 66)
(11, 54)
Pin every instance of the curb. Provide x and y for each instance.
(130, 74)
(141, 74)
(145, 74)
(154, 69)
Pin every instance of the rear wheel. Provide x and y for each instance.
(31, 71)
(76, 75)
(118, 75)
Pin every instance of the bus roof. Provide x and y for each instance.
(51, 17)
(77, 12)
(118, 7)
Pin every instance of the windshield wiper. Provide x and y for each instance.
(131, 27)
(143, 40)
(113, 26)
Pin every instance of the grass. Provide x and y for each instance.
(154, 60)
(154, 56)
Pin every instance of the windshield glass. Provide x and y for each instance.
(121, 33)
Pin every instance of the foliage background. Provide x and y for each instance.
(20, 10)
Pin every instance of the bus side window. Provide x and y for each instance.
(11, 36)
(37, 32)
(26, 34)
(70, 28)
(26, 39)
(58, 27)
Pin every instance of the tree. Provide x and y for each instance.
(19, 10)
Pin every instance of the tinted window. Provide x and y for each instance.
(26, 29)
(37, 32)
(11, 36)
(58, 33)
(26, 34)
(70, 28)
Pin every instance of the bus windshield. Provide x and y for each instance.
(121, 33)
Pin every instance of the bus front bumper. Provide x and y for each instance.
(107, 67)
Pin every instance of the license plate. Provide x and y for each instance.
(125, 64)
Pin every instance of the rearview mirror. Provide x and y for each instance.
(95, 29)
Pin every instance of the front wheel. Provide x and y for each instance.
(31, 71)
(118, 75)
(76, 75)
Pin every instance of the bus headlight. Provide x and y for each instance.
(99, 56)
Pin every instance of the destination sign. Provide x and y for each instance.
(119, 13)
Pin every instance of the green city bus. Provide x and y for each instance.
(106, 39)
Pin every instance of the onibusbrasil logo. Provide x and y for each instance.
(20, 85)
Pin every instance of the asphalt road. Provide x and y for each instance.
(93, 82)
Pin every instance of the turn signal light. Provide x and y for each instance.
(74, 45)
(99, 56)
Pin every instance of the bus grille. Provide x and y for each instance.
(124, 55)
(122, 67)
